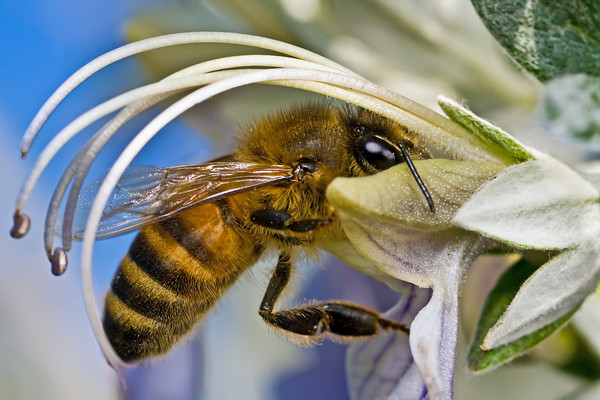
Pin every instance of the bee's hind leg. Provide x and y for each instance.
(341, 319)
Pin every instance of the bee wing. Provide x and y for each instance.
(145, 195)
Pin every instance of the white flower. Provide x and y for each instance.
(538, 204)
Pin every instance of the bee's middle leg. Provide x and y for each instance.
(339, 318)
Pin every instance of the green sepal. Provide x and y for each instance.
(495, 305)
(499, 141)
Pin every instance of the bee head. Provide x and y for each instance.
(378, 143)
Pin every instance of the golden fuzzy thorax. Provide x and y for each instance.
(319, 132)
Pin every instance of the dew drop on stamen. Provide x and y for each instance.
(59, 261)
(21, 225)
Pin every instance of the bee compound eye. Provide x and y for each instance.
(380, 153)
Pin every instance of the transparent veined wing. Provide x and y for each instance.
(145, 195)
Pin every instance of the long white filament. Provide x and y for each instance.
(100, 111)
(253, 61)
(155, 43)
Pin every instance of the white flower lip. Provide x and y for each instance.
(389, 223)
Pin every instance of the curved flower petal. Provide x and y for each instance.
(394, 196)
(434, 332)
(387, 219)
(384, 367)
(552, 291)
(540, 204)
(342, 249)
(403, 253)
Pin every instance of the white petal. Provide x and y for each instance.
(384, 367)
(553, 290)
(434, 332)
(406, 254)
(435, 259)
(343, 249)
(539, 204)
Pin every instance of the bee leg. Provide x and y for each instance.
(279, 220)
(271, 218)
(313, 321)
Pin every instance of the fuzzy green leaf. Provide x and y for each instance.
(498, 300)
(548, 38)
(550, 293)
(499, 142)
(569, 107)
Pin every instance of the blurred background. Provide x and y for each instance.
(419, 49)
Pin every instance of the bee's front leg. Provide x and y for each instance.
(313, 321)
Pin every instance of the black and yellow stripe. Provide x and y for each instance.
(174, 273)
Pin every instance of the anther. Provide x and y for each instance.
(59, 261)
(21, 225)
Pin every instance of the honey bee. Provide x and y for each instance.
(204, 225)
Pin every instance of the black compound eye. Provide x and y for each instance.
(379, 153)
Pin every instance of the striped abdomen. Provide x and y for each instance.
(174, 272)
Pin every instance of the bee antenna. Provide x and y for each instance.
(415, 174)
